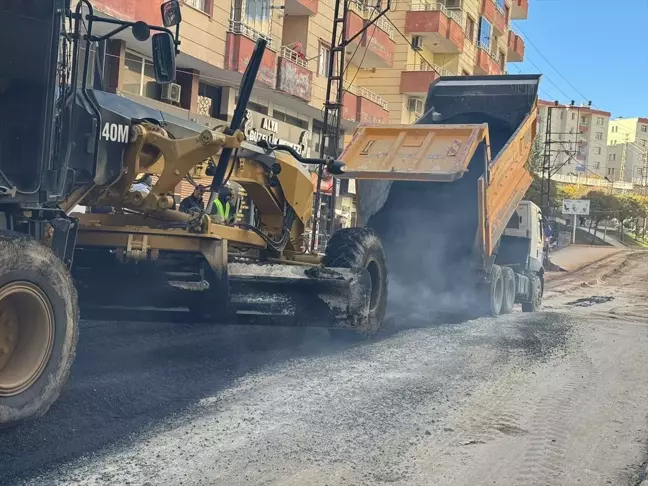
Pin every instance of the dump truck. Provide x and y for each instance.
(445, 197)
(64, 144)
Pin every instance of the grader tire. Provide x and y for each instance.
(39, 318)
(361, 248)
(508, 276)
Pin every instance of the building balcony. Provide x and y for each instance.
(240, 44)
(376, 45)
(515, 48)
(495, 15)
(440, 28)
(294, 76)
(416, 79)
(484, 62)
(372, 108)
(301, 7)
(519, 9)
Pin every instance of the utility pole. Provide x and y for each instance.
(333, 105)
(545, 182)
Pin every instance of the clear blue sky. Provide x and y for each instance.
(599, 46)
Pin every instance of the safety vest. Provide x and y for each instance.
(223, 212)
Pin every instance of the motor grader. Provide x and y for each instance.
(64, 144)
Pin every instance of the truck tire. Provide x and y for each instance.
(494, 292)
(39, 319)
(508, 278)
(361, 248)
(536, 295)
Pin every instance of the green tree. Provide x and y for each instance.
(630, 208)
(602, 206)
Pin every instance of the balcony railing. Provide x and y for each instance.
(424, 66)
(370, 95)
(238, 27)
(367, 12)
(419, 7)
(487, 49)
(293, 56)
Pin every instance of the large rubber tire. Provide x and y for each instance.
(508, 276)
(361, 248)
(536, 292)
(495, 291)
(32, 276)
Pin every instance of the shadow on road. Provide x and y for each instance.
(129, 376)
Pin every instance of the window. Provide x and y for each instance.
(290, 119)
(254, 14)
(599, 136)
(324, 59)
(612, 157)
(613, 142)
(502, 59)
(615, 129)
(600, 120)
(139, 78)
(202, 5)
(500, 3)
(644, 128)
(583, 119)
(573, 116)
(610, 171)
(485, 30)
(562, 114)
(597, 150)
(470, 29)
(597, 165)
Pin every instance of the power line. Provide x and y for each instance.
(547, 60)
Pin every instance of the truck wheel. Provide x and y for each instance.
(536, 296)
(495, 291)
(39, 318)
(508, 278)
(361, 248)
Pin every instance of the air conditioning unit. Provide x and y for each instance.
(415, 105)
(417, 42)
(453, 3)
(170, 93)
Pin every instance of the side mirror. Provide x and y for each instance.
(171, 13)
(163, 58)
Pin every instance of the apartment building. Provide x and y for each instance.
(444, 37)
(389, 67)
(578, 138)
(627, 150)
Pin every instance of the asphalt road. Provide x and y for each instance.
(558, 397)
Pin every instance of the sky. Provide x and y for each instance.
(588, 50)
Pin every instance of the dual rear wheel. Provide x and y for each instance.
(499, 293)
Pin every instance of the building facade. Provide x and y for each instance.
(578, 137)
(389, 67)
(627, 150)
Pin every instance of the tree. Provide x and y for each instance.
(602, 206)
(630, 208)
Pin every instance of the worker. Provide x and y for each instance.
(194, 202)
(224, 209)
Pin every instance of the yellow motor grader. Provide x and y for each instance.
(64, 144)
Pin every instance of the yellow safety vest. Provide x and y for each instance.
(222, 212)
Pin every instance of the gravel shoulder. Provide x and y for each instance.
(557, 397)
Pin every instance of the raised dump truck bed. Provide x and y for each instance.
(441, 192)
